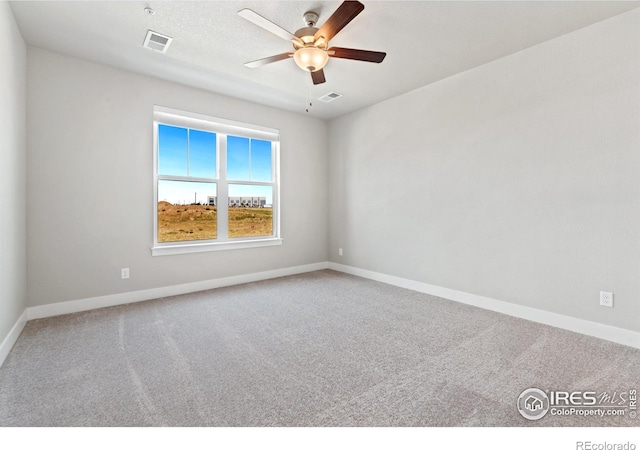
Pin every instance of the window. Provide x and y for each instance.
(215, 184)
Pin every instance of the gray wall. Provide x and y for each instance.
(90, 198)
(13, 64)
(518, 180)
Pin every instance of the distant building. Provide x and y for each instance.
(246, 202)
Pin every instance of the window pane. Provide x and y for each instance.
(250, 211)
(202, 154)
(172, 150)
(260, 160)
(186, 211)
(237, 158)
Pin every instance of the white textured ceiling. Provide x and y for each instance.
(425, 41)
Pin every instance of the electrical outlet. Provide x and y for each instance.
(606, 299)
(339, 252)
(124, 273)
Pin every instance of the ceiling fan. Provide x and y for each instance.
(311, 45)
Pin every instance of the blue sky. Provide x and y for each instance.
(192, 153)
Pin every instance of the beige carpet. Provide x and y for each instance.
(319, 349)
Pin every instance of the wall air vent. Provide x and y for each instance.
(156, 41)
(331, 96)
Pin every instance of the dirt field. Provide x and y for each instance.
(197, 222)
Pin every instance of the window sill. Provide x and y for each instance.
(177, 249)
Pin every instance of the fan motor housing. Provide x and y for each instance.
(306, 34)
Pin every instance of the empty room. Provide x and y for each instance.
(320, 214)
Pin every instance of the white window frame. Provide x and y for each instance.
(222, 128)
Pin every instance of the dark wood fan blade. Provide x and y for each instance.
(265, 23)
(269, 60)
(338, 20)
(318, 77)
(360, 55)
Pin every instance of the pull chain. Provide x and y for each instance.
(308, 100)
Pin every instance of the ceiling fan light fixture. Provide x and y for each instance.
(311, 58)
(311, 44)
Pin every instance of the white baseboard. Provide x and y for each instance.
(12, 337)
(56, 309)
(607, 332)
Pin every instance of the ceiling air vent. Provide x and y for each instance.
(331, 96)
(156, 41)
